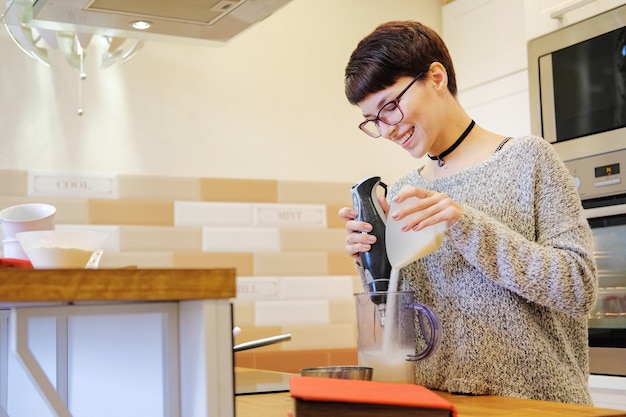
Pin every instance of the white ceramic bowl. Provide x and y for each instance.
(26, 217)
(48, 249)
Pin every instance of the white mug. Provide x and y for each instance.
(26, 217)
(11, 248)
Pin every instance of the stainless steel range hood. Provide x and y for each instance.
(203, 20)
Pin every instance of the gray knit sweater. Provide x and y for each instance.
(513, 281)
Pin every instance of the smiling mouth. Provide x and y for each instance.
(404, 140)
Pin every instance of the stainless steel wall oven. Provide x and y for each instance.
(601, 183)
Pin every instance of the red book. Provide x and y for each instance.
(325, 397)
(15, 263)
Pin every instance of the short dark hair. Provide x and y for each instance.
(393, 50)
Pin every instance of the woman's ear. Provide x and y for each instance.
(439, 75)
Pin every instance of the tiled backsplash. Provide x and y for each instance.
(283, 237)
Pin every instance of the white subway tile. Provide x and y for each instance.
(113, 241)
(257, 288)
(196, 213)
(316, 287)
(289, 215)
(240, 239)
(71, 184)
(272, 313)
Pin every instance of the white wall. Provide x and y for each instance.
(269, 104)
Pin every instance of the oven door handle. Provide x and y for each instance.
(595, 212)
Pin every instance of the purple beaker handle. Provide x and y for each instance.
(431, 332)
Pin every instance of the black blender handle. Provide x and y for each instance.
(374, 262)
(431, 332)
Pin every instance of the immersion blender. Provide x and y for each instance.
(375, 263)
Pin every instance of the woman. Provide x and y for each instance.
(515, 277)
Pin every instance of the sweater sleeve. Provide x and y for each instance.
(555, 268)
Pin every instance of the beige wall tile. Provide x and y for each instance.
(320, 336)
(314, 192)
(70, 210)
(137, 259)
(227, 189)
(312, 239)
(245, 359)
(9, 201)
(143, 187)
(203, 213)
(332, 216)
(242, 262)
(146, 238)
(357, 284)
(316, 287)
(346, 356)
(339, 263)
(291, 361)
(13, 183)
(294, 263)
(132, 212)
(342, 311)
(240, 239)
(274, 313)
(243, 314)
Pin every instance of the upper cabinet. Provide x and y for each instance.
(544, 16)
(486, 39)
(487, 42)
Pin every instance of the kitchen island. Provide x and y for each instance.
(123, 342)
(280, 404)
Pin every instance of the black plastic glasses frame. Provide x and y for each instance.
(396, 106)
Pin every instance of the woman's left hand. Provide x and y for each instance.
(430, 207)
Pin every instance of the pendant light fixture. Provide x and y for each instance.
(39, 42)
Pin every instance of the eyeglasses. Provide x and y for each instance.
(390, 114)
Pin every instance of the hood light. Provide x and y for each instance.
(140, 24)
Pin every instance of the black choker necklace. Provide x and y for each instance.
(448, 151)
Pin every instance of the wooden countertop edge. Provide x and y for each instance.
(279, 404)
(74, 285)
(472, 404)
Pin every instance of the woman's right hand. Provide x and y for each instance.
(358, 238)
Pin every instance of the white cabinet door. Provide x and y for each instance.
(608, 391)
(545, 16)
(486, 39)
(501, 105)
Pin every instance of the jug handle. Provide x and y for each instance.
(430, 331)
(94, 260)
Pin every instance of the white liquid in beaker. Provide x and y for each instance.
(389, 362)
(389, 368)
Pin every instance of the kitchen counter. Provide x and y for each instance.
(280, 404)
(166, 331)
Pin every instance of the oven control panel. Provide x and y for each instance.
(599, 175)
